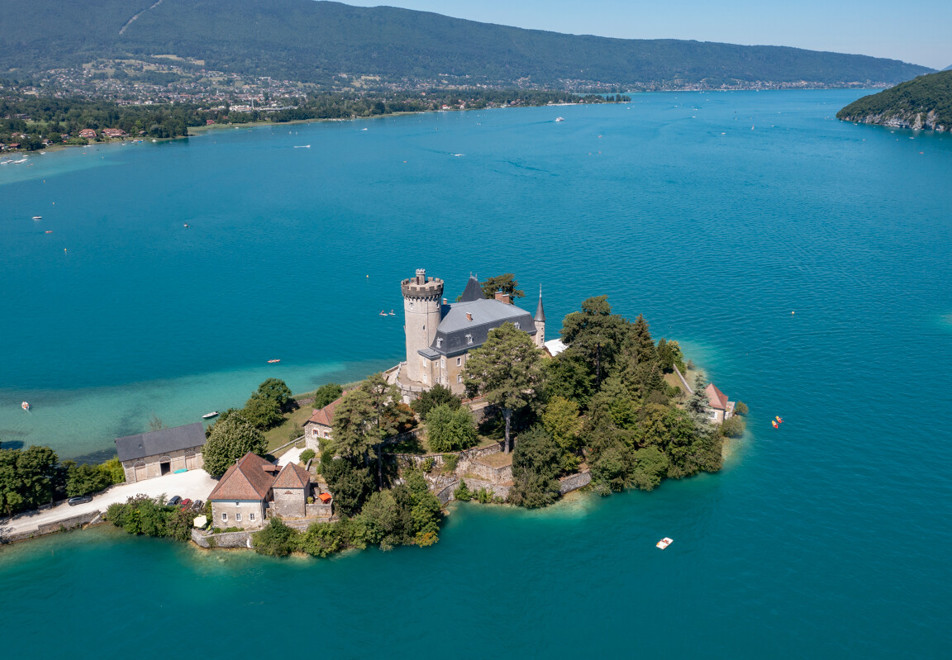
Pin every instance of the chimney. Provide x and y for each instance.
(469, 317)
(503, 297)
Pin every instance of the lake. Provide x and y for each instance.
(802, 261)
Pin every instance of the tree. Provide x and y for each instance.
(327, 394)
(364, 418)
(450, 430)
(84, 479)
(698, 405)
(230, 440)
(279, 392)
(435, 396)
(275, 540)
(507, 370)
(262, 412)
(561, 420)
(504, 283)
(350, 483)
(595, 335)
(536, 464)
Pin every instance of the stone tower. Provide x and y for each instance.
(539, 322)
(421, 313)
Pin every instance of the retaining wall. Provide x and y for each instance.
(574, 481)
(223, 540)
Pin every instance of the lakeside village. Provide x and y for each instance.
(483, 408)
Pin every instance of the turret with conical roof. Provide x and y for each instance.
(539, 322)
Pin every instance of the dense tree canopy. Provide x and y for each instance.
(507, 370)
(229, 440)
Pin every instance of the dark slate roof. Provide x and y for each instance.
(163, 441)
(472, 291)
(475, 318)
(540, 313)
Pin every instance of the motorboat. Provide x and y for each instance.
(664, 543)
(213, 413)
(25, 405)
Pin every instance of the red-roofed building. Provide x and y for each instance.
(721, 408)
(114, 133)
(290, 490)
(254, 489)
(88, 134)
(243, 493)
(319, 425)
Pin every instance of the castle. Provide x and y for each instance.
(439, 334)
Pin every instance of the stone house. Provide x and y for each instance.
(242, 495)
(88, 134)
(253, 490)
(721, 408)
(319, 425)
(147, 455)
(290, 491)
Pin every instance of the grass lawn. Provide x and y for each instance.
(281, 434)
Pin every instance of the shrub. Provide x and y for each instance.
(275, 540)
(307, 455)
(733, 427)
(448, 429)
(740, 408)
(462, 493)
(450, 461)
(428, 463)
(438, 395)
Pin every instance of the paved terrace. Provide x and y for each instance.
(194, 484)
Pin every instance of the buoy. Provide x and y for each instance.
(793, 312)
(775, 424)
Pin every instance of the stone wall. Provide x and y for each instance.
(223, 540)
(251, 512)
(289, 502)
(151, 466)
(575, 481)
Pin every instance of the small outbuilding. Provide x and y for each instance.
(243, 493)
(721, 408)
(147, 455)
(318, 426)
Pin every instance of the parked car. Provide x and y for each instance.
(175, 499)
(186, 504)
(82, 499)
(198, 506)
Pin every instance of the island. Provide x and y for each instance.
(483, 408)
(923, 103)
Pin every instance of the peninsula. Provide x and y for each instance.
(924, 103)
(482, 408)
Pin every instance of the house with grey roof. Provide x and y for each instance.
(147, 455)
(439, 334)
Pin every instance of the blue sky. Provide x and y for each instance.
(917, 31)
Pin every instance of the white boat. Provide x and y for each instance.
(303, 146)
(664, 543)
(214, 413)
(560, 119)
(25, 405)
(37, 217)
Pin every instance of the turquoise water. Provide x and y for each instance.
(715, 215)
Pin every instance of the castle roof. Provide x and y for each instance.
(540, 313)
(467, 324)
(473, 291)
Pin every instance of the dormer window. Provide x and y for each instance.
(439, 342)
(516, 324)
(469, 339)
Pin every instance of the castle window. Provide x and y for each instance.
(251, 515)
(459, 361)
(459, 378)
(224, 517)
(443, 362)
(237, 517)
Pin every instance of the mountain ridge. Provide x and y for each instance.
(330, 44)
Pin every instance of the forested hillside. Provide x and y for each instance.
(331, 44)
(925, 102)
